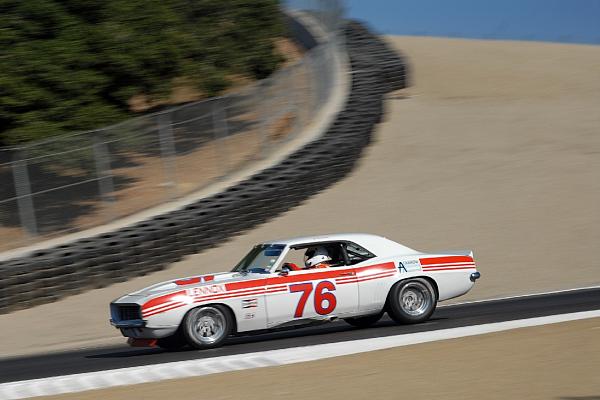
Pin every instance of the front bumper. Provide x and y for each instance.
(149, 333)
(127, 317)
(138, 329)
(134, 323)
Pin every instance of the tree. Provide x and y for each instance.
(68, 65)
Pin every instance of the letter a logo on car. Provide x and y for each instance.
(401, 267)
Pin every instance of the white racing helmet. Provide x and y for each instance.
(316, 255)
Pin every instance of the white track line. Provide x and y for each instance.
(199, 367)
(519, 296)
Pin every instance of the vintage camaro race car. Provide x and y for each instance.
(295, 282)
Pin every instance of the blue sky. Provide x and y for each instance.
(571, 21)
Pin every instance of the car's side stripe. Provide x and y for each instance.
(446, 260)
(351, 279)
(388, 266)
(227, 296)
(447, 265)
(369, 278)
(160, 300)
(166, 303)
(169, 307)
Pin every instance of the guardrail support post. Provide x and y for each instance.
(104, 174)
(167, 151)
(24, 198)
(220, 132)
(266, 116)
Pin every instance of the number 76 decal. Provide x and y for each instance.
(322, 294)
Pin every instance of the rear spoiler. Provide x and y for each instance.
(458, 252)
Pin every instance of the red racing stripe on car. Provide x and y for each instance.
(161, 299)
(246, 284)
(446, 260)
(163, 305)
(389, 266)
(369, 278)
(354, 279)
(189, 281)
(229, 295)
(346, 280)
(428, 267)
(168, 307)
(225, 295)
(325, 273)
(280, 288)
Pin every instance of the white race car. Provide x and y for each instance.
(295, 282)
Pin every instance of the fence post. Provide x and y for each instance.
(167, 152)
(220, 132)
(293, 100)
(104, 174)
(24, 198)
(302, 97)
(310, 73)
(265, 100)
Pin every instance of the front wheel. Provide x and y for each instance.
(411, 301)
(207, 327)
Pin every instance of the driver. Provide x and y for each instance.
(317, 257)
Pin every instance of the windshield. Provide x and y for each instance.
(260, 259)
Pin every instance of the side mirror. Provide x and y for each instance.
(284, 273)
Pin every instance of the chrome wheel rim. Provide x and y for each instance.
(208, 325)
(415, 299)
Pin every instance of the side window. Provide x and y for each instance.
(336, 254)
(297, 255)
(357, 253)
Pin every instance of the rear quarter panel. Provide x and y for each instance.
(450, 273)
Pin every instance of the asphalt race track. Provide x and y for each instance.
(452, 316)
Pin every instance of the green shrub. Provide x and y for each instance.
(69, 65)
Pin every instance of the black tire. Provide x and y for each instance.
(411, 301)
(172, 343)
(366, 321)
(207, 327)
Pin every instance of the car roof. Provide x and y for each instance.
(378, 245)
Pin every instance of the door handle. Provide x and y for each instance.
(349, 273)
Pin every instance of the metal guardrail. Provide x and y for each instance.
(77, 181)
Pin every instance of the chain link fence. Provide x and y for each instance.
(78, 181)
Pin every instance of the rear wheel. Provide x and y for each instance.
(207, 327)
(364, 322)
(411, 301)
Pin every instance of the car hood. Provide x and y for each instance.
(189, 282)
